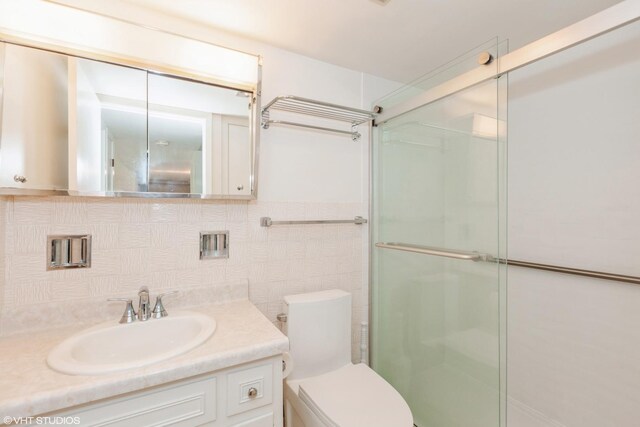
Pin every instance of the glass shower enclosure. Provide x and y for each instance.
(438, 233)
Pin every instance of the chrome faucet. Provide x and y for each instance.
(144, 305)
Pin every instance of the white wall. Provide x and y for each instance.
(574, 200)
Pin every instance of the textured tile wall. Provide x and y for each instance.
(156, 243)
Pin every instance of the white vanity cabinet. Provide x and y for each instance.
(248, 395)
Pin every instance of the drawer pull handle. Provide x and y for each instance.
(253, 392)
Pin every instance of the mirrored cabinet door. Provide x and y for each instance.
(33, 127)
(199, 139)
(107, 127)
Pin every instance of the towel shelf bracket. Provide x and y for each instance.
(320, 109)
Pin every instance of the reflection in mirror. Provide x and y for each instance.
(175, 153)
(199, 138)
(108, 122)
(33, 119)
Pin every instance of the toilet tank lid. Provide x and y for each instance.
(316, 296)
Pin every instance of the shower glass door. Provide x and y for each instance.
(438, 292)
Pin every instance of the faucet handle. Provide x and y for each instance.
(129, 314)
(158, 309)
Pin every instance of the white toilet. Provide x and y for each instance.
(325, 388)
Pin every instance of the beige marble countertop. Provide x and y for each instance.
(29, 387)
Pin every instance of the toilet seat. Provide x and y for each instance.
(354, 396)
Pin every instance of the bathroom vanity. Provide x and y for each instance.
(247, 395)
(232, 379)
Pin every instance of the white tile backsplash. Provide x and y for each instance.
(155, 243)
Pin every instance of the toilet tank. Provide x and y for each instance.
(319, 331)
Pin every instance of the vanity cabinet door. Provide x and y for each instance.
(181, 405)
(249, 388)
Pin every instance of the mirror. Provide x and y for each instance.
(96, 128)
(199, 137)
(108, 123)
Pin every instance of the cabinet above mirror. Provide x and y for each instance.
(77, 122)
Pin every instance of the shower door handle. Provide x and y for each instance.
(429, 250)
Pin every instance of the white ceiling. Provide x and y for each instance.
(399, 40)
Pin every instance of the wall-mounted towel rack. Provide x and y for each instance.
(310, 107)
(476, 256)
(265, 221)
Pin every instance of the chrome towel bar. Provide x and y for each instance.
(267, 222)
(476, 256)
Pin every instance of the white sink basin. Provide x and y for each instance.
(112, 346)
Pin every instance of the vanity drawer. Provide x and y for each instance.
(249, 389)
(185, 404)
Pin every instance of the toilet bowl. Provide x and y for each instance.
(325, 388)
